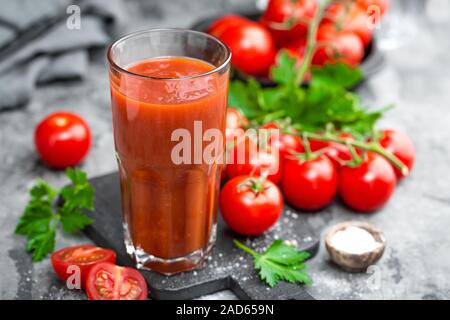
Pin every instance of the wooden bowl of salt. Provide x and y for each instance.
(355, 245)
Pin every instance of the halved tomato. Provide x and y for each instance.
(84, 257)
(107, 281)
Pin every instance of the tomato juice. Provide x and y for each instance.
(169, 208)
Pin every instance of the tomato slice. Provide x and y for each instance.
(84, 257)
(107, 281)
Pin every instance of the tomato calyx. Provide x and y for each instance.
(256, 185)
(307, 154)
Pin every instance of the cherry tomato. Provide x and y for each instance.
(270, 125)
(252, 47)
(219, 26)
(383, 5)
(84, 257)
(107, 281)
(235, 119)
(235, 122)
(297, 49)
(401, 146)
(310, 184)
(350, 18)
(246, 159)
(369, 186)
(336, 152)
(288, 20)
(62, 139)
(249, 208)
(335, 47)
(287, 144)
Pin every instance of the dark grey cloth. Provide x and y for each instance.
(54, 54)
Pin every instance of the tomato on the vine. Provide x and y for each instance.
(349, 18)
(336, 152)
(252, 47)
(62, 139)
(288, 20)
(107, 281)
(84, 257)
(297, 49)
(401, 146)
(309, 184)
(219, 26)
(245, 158)
(369, 186)
(249, 206)
(285, 143)
(336, 47)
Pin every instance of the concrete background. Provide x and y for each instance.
(416, 222)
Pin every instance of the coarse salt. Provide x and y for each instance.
(354, 240)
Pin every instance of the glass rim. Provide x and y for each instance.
(114, 65)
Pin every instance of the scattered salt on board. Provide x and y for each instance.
(354, 240)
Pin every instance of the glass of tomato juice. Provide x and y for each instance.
(169, 96)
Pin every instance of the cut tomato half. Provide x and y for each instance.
(84, 257)
(107, 281)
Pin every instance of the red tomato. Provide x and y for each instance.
(252, 47)
(219, 26)
(369, 186)
(287, 144)
(62, 139)
(401, 146)
(288, 20)
(335, 47)
(350, 18)
(107, 281)
(235, 119)
(250, 209)
(336, 152)
(297, 49)
(84, 257)
(310, 184)
(270, 125)
(383, 5)
(246, 159)
(235, 122)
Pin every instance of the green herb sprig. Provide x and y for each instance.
(42, 217)
(280, 262)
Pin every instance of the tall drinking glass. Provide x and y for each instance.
(169, 95)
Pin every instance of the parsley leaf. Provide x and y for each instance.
(280, 262)
(80, 193)
(284, 70)
(338, 74)
(244, 96)
(39, 221)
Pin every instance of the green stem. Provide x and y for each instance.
(367, 146)
(307, 147)
(311, 42)
(245, 248)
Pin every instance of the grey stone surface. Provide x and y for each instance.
(416, 222)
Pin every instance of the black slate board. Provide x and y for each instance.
(372, 62)
(227, 268)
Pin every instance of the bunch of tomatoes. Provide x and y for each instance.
(342, 36)
(307, 174)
